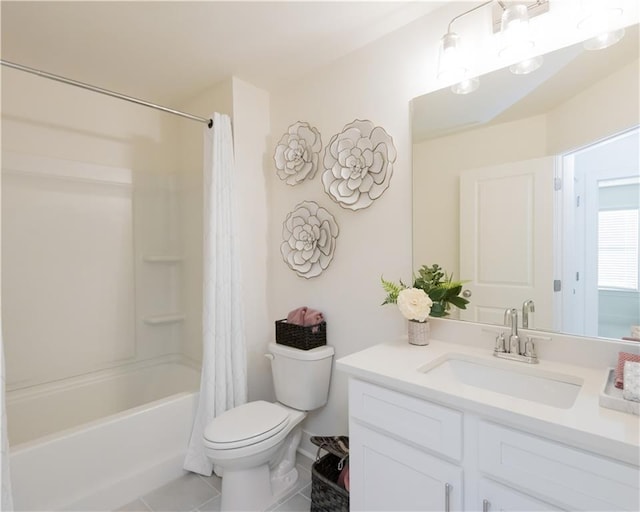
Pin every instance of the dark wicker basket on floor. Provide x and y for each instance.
(299, 336)
(326, 494)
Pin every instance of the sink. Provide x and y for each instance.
(541, 386)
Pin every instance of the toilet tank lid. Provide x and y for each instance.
(314, 354)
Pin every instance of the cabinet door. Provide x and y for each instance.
(387, 474)
(574, 478)
(505, 499)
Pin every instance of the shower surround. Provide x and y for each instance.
(93, 332)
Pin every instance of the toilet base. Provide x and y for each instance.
(259, 487)
(246, 489)
(236, 497)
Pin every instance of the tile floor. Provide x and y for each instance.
(195, 493)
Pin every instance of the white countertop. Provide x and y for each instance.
(397, 365)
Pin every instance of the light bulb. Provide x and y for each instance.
(515, 32)
(466, 86)
(599, 22)
(452, 66)
(526, 66)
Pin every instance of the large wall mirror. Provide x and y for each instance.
(529, 189)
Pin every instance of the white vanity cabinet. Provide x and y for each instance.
(404, 452)
(390, 475)
(495, 497)
(408, 453)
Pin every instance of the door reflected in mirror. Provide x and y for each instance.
(529, 189)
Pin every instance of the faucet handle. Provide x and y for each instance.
(529, 348)
(500, 343)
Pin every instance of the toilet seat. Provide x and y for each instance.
(248, 424)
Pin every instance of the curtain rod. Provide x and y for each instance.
(50, 76)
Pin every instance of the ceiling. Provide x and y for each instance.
(171, 51)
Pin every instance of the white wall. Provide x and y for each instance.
(251, 128)
(609, 106)
(375, 83)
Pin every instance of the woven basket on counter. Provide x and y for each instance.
(299, 336)
(326, 494)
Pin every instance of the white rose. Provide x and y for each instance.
(414, 304)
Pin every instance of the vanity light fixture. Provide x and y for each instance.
(517, 40)
(454, 64)
(600, 18)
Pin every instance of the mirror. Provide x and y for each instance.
(529, 189)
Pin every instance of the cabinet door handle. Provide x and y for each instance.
(447, 498)
(485, 505)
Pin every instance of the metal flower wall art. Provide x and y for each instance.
(297, 154)
(309, 234)
(358, 164)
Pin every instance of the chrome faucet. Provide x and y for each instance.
(512, 350)
(527, 307)
(511, 319)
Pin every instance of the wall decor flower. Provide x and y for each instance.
(297, 154)
(358, 164)
(309, 234)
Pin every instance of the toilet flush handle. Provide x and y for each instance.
(269, 356)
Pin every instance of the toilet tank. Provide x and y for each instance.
(301, 377)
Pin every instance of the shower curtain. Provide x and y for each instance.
(6, 502)
(223, 383)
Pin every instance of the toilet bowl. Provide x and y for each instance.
(254, 445)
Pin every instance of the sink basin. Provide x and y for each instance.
(548, 388)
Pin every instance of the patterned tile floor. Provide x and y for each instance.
(195, 493)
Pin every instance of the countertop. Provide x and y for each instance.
(400, 366)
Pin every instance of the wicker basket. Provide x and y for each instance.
(326, 494)
(301, 337)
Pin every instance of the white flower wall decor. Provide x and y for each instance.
(297, 154)
(358, 164)
(309, 234)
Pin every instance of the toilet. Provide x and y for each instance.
(253, 446)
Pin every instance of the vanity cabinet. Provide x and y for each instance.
(393, 475)
(496, 497)
(407, 453)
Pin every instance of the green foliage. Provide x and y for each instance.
(437, 284)
(392, 290)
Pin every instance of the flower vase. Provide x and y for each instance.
(419, 332)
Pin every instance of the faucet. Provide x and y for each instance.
(511, 350)
(527, 307)
(511, 319)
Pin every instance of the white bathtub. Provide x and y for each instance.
(100, 441)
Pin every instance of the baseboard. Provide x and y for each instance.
(306, 447)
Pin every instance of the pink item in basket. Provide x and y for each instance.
(622, 357)
(313, 317)
(297, 316)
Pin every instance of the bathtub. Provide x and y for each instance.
(100, 441)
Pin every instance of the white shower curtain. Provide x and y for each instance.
(6, 498)
(223, 383)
